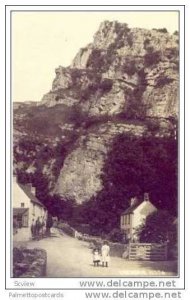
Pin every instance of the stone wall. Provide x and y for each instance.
(29, 262)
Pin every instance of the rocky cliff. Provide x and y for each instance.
(122, 82)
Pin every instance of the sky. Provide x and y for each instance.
(41, 41)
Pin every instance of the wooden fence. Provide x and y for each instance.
(145, 251)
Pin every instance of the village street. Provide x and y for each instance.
(69, 257)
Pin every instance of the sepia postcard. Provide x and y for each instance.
(96, 114)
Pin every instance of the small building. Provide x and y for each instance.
(135, 215)
(26, 209)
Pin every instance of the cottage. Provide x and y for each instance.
(135, 215)
(26, 209)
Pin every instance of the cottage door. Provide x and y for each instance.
(25, 221)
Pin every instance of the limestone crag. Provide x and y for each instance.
(123, 56)
(125, 81)
(80, 177)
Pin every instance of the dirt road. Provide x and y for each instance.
(69, 257)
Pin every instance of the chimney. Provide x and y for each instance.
(32, 188)
(133, 201)
(146, 196)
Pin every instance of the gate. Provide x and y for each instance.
(147, 251)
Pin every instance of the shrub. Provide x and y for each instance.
(163, 81)
(152, 58)
(106, 85)
(75, 74)
(146, 43)
(130, 40)
(156, 228)
(152, 125)
(150, 49)
(172, 53)
(115, 235)
(96, 59)
(130, 68)
(162, 30)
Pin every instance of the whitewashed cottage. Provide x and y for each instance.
(26, 209)
(135, 215)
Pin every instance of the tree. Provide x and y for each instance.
(134, 165)
(157, 227)
(116, 235)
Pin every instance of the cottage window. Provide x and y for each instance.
(129, 219)
(19, 220)
(22, 204)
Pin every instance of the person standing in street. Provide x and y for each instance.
(38, 227)
(105, 251)
(49, 224)
(33, 229)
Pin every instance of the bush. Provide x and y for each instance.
(106, 85)
(146, 43)
(130, 68)
(152, 125)
(172, 53)
(156, 228)
(96, 59)
(152, 58)
(75, 74)
(162, 30)
(130, 40)
(163, 81)
(115, 235)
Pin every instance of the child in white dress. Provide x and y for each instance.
(105, 251)
(96, 257)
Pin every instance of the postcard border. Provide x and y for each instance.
(91, 278)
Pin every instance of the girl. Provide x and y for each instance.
(96, 257)
(105, 251)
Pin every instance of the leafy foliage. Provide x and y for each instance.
(106, 85)
(152, 58)
(130, 67)
(162, 30)
(157, 228)
(96, 59)
(163, 80)
(116, 235)
(146, 43)
(134, 166)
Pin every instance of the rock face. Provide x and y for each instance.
(119, 62)
(124, 74)
(80, 178)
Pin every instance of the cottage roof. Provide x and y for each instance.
(131, 208)
(30, 195)
(19, 211)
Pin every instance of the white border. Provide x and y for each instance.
(74, 282)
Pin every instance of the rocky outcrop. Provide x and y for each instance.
(81, 59)
(123, 76)
(80, 177)
(122, 55)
